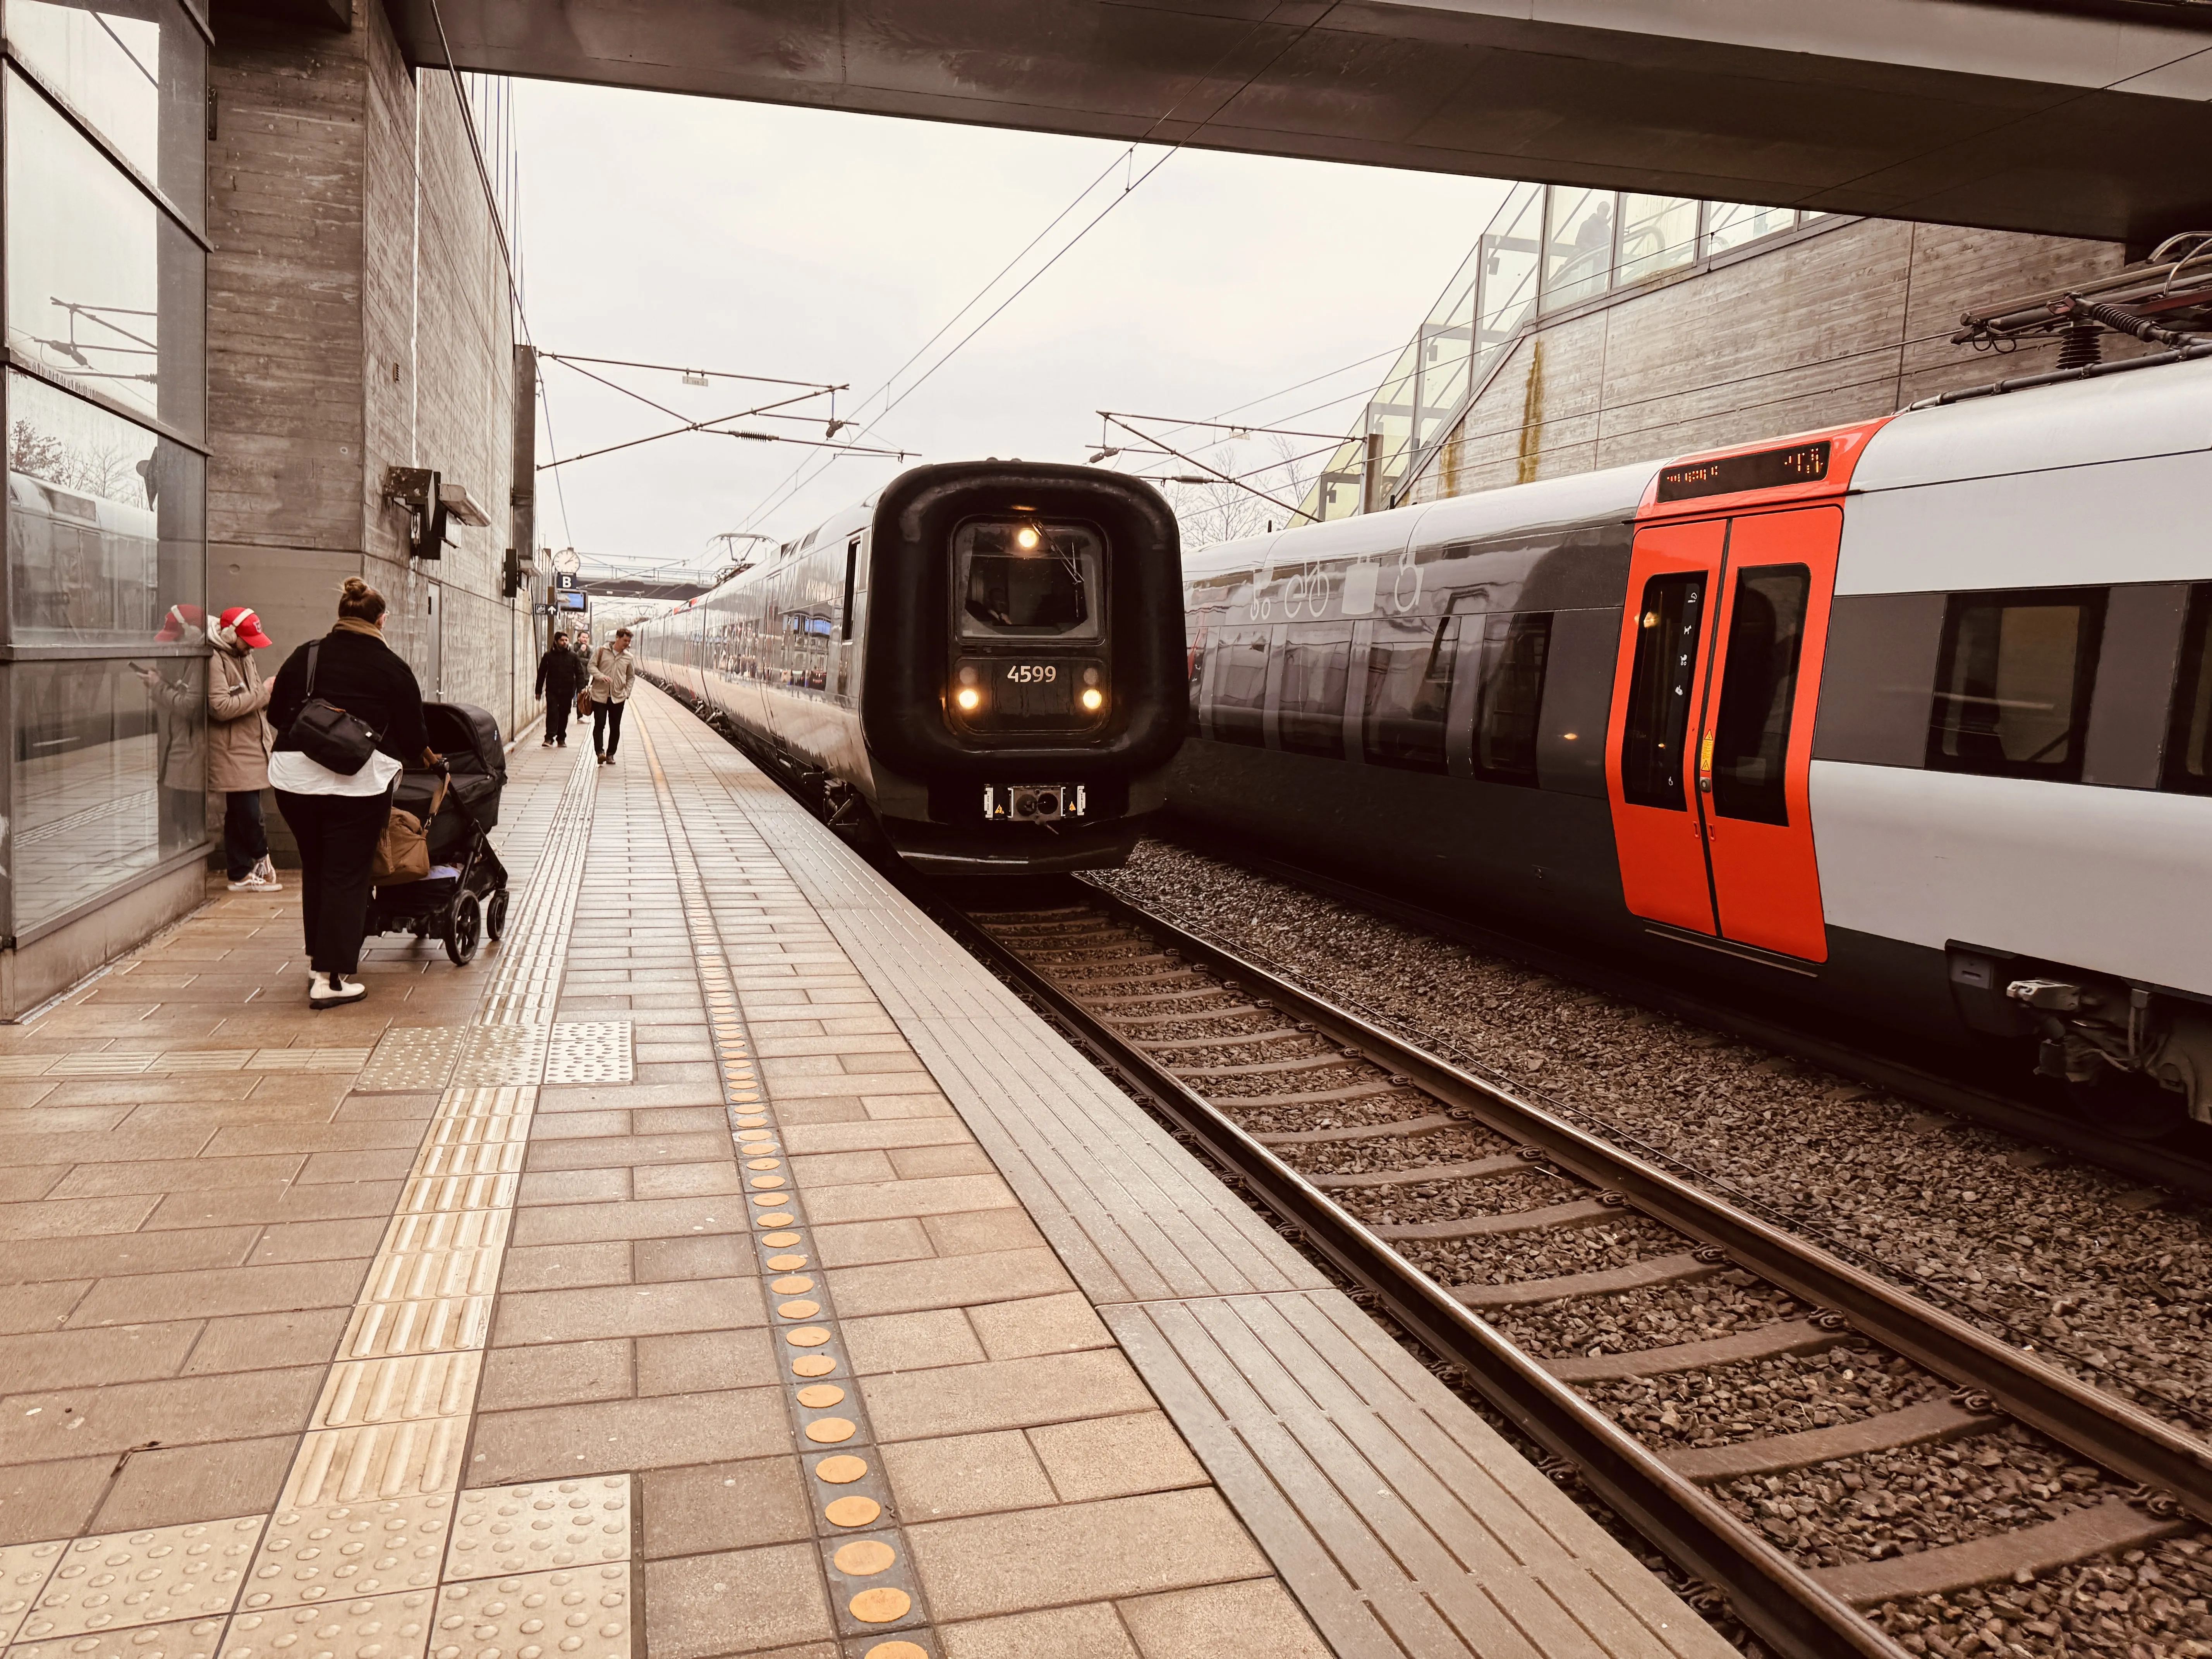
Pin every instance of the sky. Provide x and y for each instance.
(822, 246)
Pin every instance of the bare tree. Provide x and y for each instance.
(1219, 511)
(35, 453)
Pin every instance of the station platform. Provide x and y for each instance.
(722, 1264)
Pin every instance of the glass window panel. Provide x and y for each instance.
(110, 773)
(1509, 265)
(1512, 696)
(1577, 245)
(1731, 224)
(2012, 694)
(1409, 678)
(2188, 746)
(104, 291)
(1310, 707)
(136, 70)
(1239, 685)
(1656, 731)
(1657, 232)
(105, 530)
(1759, 693)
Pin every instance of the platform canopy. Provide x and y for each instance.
(2075, 117)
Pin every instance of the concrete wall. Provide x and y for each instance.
(1845, 322)
(359, 319)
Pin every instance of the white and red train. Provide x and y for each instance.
(1904, 727)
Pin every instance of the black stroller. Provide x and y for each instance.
(463, 898)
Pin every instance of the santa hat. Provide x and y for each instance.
(243, 625)
(179, 619)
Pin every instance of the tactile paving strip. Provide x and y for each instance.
(159, 1576)
(549, 1523)
(873, 1597)
(501, 1054)
(190, 1638)
(577, 1612)
(24, 1570)
(590, 1051)
(412, 1058)
(344, 1552)
(359, 1627)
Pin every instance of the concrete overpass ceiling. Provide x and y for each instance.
(2079, 120)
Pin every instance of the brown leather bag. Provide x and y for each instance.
(402, 851)
(583, 702)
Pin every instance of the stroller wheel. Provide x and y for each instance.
(495, 916)
(464, 928)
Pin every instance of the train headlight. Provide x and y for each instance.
(1026, 539)
(969, 698)
(1094, 699)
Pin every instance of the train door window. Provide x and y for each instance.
(1515, 650)
(1408, 692)
(852, 576)
(1240, 686)
(1759, 692)
(2188, 746)
(1655, 733)
(2012, 684)
(1316, 669)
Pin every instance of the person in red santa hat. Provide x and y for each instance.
(238, 742)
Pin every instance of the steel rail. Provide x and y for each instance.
(2099, 1425)
(1777, 1600)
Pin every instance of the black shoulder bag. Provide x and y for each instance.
(326, 734)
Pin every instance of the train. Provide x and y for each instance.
(981, 667)
(1900, 731)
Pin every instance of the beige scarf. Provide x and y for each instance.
(356, 625)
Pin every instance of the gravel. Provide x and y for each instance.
(2153, 1603)
(1655, 1316)
(1917, 1498)
(2120, 1295)
(1517, 1256)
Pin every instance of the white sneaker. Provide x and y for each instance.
(254, 881)
(328, 990)
(266, 869)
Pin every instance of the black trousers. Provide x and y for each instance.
(338, 837)
(557, 710)
(606, 726)
(245, 840)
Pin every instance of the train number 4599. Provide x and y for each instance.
(1032, 673)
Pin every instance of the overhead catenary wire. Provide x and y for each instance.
(791, 486)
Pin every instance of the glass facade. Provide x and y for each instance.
(1547, 247)
(103, 630)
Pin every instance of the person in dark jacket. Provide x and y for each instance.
(337, 817)
(560, 676)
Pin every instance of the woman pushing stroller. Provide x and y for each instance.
(337, 817)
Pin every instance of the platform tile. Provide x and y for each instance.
(161, 1575)
(503, 1530)
(525, 1614)
(361, 1627)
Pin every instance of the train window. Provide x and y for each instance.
(1409, 677)
(2012, 685)
(1759, 693)
(1654, 744)
(1239, 685)
(1309, 708)
(1027, 581)
(2188, 746)
(1514, 651)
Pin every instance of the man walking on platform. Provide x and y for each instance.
(612, 670)
(560, 677)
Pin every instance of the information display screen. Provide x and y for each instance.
(1766, 469)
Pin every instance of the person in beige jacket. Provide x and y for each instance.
(612, 670)
(238, 742)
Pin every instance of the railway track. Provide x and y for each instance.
(1450, 1205)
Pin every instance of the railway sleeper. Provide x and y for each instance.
(1197, 1015)
(1931, 1422)
(1503, 1163)
(1634, 1276)
(2098, 1529)
(1228, 1039)
(1271, 1067)
(1318, 1098)
(1576, 1212)
(1431, 1124)
(1787, 1336)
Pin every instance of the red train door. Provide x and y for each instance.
(1711, 735)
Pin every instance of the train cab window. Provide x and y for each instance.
(2012, 684)
(1654, 744)
(1027, 581)
(1239, 685)
(1512, 696)
(2189, 745)
(1409, 679)
(1759, 692)
(1316, 669)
